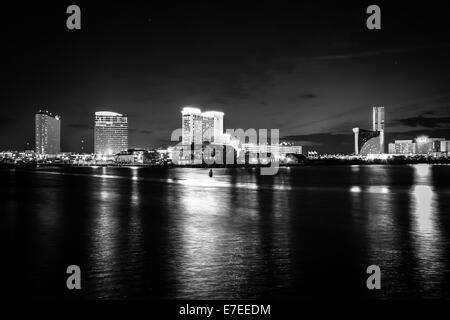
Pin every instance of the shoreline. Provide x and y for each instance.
(310, 163)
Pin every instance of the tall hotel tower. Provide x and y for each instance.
(378, 124)
(213, 126)
(111, 132)
(198, 127)
(192, 125)
(48, 133)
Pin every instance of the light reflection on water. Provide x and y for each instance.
(404, 241)
(214, 250)
(104, 238)
(180, 234)
(426, 234)
(373, 211)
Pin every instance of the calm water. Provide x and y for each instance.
(176, 233)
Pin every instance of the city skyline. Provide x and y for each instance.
(225, 158)
(111, 129)
(260, 65)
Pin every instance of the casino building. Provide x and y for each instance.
(198, 126)
(367, 142)
(110, 133)
(371, 141)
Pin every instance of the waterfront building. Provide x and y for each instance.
(445, 147)
(138, 156)
(367, 142)
(371, 141)
(198, 126)
(280, 149)
(213, 126)
(261, 153)
(422, 146)
(47, 133)
(192, 126)
(110, 133)
(403, 147)
(427, 145)
(378, 125)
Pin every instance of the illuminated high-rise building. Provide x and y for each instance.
(378, 124)
(192, 125)
(198, 127)
(48, 133)
(110, 132)
(378, 119)
(213, 126)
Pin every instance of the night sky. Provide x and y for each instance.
(311, 69)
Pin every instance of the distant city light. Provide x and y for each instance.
(422, 139)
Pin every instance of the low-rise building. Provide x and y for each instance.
(403, 147)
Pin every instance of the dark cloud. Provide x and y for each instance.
(163, 143)
(6, 120)
(439, 133)
(427, 122)
(444, 99)
(145, 131)
(324, 142)
(307, 96)
(372, 53)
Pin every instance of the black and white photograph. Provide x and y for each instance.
(223, 156)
